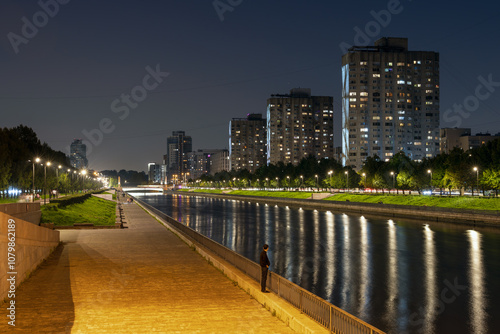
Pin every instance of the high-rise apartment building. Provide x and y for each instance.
(390, 102)
(176, 159)
(219, 162)
(78, 154)
(154, 173)
(201, 162)
(247, 142)
(299, 125)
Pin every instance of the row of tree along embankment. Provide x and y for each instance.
(426, 213)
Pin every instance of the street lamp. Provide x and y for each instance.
(83, 172)
(430, 173)
(301, 180)
(477, 181)
(277, 182)
(347, 179)
(57, 178)
(45, 182)
(317, 183)
(393, 180)
(288, 182)
(364, 176)
(37, 160)
(267, 181)
(330, 173)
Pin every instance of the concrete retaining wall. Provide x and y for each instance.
(33, 244)
(429, 214)
(29, 212)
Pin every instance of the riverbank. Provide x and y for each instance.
(472, 217)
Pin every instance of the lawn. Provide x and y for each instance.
(284, 194)
(94, 210)
(462, 202)
(208, 191)
(8, 200)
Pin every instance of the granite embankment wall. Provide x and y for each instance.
(29, 212)
(23, 246)
(429, 214)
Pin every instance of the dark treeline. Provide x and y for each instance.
(127, 178)
(19, 147)
(455, 170)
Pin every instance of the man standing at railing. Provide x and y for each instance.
(264, 266)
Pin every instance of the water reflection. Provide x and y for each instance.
(365, 271)
(476, 279)
(392, 274)
(430, 281)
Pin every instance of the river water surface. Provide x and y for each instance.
(400, 276)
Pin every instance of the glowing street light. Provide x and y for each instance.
(347, 179)
(301, 180)
(330, 173)
(477, 181)
(45, 181)
(37, 160)
(317, 183)
(364, 176)
(393, 180)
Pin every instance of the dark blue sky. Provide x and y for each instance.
(64, 79)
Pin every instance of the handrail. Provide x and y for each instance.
(328, 315)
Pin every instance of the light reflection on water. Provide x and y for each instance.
(395, 275)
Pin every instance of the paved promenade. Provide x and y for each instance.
(142, 279)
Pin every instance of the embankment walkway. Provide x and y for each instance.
(142, 279)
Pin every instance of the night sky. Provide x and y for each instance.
(73, 74)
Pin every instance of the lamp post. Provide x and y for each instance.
(477, 181)
(330, 173)
(364, 176)
(301, 180)
(267, 181)
(317, 183)
(393, 180)
(45, 182)
(84, 173)
(430, 182)
(277, 182)
(57, 178)
(347, 179)
(288, 182)
(37, 160)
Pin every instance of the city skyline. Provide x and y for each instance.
(186, 66)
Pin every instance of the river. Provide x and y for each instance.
(400, 276)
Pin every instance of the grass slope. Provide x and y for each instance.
(473, 203)
(94, 210)
(284, 194)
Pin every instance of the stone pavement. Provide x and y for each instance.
(142, 279)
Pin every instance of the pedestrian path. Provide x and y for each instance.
(142, 279)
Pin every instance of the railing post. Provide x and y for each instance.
(300, 302)
(331, 319)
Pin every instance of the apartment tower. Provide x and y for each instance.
(299, 125)
(390, 102)
(176, 159)
(247, 142)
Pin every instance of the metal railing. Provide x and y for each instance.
(323, 312)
